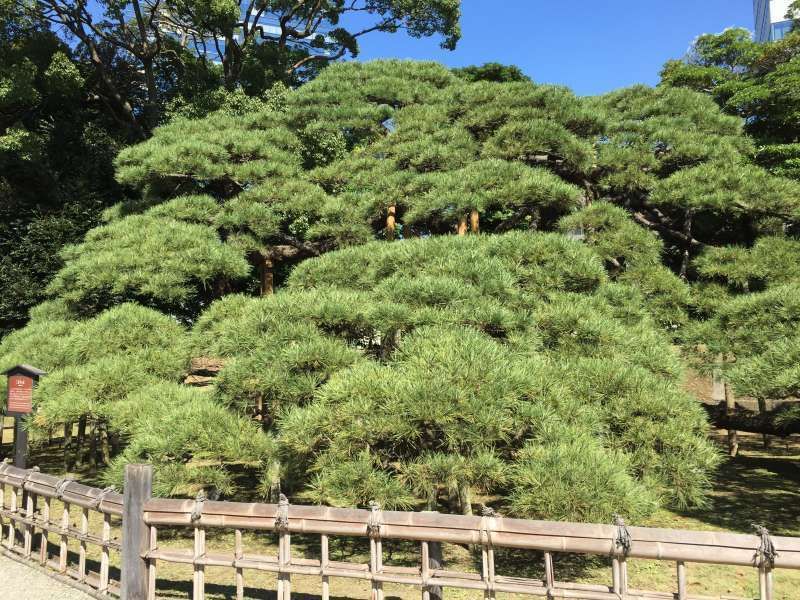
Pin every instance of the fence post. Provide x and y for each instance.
(432, 561)
(138, 488)
(435, 561)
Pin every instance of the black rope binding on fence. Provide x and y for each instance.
(28, 477)
(105, 492)
(197, 511)
(623, 537)
(765, 554)
(61, 487)
(375, 520)
(282, 517)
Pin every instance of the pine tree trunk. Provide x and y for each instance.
(719, 394)
(113, 439)
(687, 231)
(267, 274)
(391, 222)
(105, 447)
(68, 447)
(461, 229)
(274, 475)
(475, 221)
(430, 503)
(762, 409)
(93, 450)
(80, 442)
(730, 409)
(260, 410)
(465, 499)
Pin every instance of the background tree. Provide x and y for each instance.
(757, 82)
(745, 277)
(140, 50)
(48, 196)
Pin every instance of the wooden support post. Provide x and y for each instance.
(199, 569)
(431, 562)
(151, 565)
(487, 554)
(770, 595)
(11, 527)
(238, 554)
(105, 554)
(284, 559)
(623, 575)
(43, 538)
(324, 563)
(20, 443)
(549, 573)
(435, 562)
(138, 489)
(765, 583)
(375, 567)
(64, 545)
(30, 510)
(82, 549)
(682, 580)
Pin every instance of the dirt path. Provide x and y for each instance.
(20, 582)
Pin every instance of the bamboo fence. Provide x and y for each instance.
(30, 516)
(489, 533)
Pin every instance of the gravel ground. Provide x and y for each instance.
(18, 582)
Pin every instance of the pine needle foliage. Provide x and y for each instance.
(160, 262)
(387, 361)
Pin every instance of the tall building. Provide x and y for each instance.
(771, 21)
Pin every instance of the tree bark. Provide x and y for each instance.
(391, 222)
(687, 232)
(475, 221)
(105, 446)
(750, 421)
(762, 410)
(68, 447)
(461, 229)
(730, 410)
(721, 393)
(465, 498)
(93, 450)
(81, 441)
(232, 62)
(267, 275)
(274, 475)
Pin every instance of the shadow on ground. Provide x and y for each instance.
(758, 486)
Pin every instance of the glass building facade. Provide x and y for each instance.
(770, 19)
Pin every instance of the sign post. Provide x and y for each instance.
(19, 404)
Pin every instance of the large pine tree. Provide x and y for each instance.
(448, 342)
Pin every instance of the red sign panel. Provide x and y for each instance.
(20, 395)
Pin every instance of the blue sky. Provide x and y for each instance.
(597, 47)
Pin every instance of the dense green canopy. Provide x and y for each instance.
(745, 289)
(535, 363)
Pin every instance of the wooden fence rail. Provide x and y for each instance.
(35, 507)
(486, 534)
